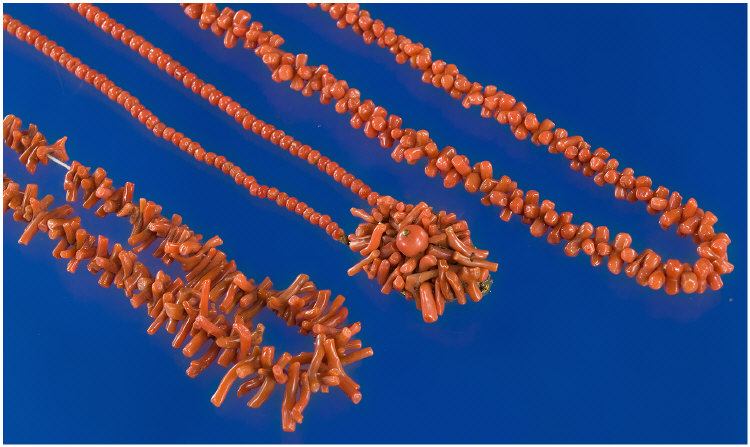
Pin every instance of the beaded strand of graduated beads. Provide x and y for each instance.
(102, 83)
(216, 97)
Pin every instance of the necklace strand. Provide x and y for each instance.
(102, 83)
(192, 305)
(647, 266)
(215, 97)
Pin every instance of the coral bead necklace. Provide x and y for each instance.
(646, 267)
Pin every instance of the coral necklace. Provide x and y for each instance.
(211, 306)
(647, 267)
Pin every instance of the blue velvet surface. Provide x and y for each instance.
(558, 352)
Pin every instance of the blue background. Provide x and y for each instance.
(558, 352)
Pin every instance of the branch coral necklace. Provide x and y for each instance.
(209, 308)
(425, 255)
(647, 267)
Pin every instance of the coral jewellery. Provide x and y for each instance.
(425, 254)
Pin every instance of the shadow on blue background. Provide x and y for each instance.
(558, 352)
